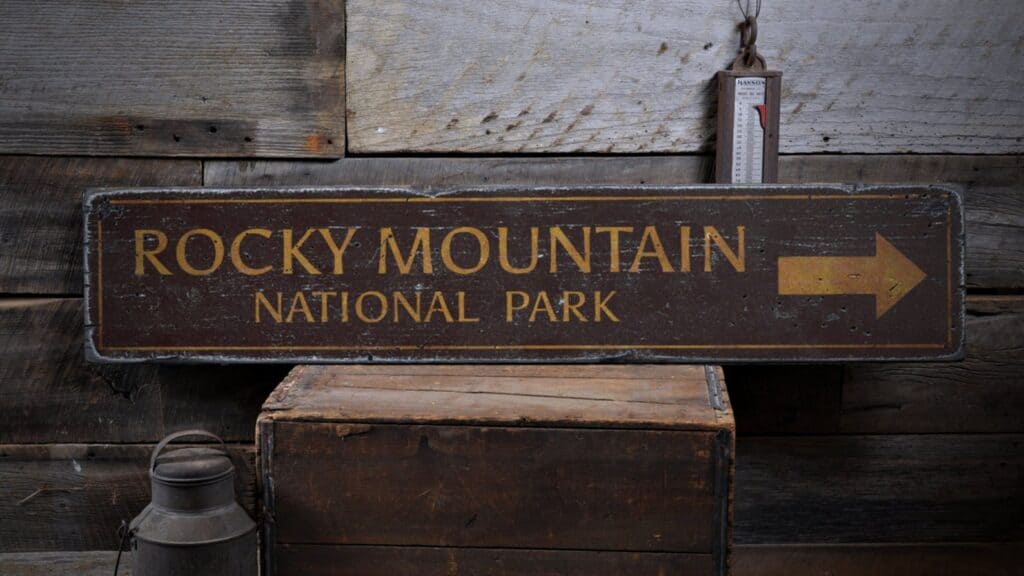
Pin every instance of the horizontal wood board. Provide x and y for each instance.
(49, 394)
(591, 396)
(880, 489)
(945, 559)
(74, 496)
(476, 76)
(982, 394)
(948, 559)
(422, 560)
(41, 213)
(491, 486)
(189, 78)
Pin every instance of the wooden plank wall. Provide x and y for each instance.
(860, 469)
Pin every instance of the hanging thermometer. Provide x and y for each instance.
(748, 115)
(748, 127)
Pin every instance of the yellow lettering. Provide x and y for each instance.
(361, 311)
(544, 302)
(344, 307)
(421, 244)
(275, 313)
(738, 261)
(569, 307)
(324, 303)
(651, 236)
(338, 251)
(141, 254)
(437, 304)
(613, 243)
(236, 252)
(401, 301)
(292, 254)
(558, 238)
(601, 305)
(299, 304)
(484, 253)
(506, 265)
(218, 252)
(510, 307)
(462, 309)
(684, 248)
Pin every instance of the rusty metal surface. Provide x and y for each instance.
(674, 274)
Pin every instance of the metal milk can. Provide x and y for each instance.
(193, 526)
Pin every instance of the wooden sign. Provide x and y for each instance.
(645, 274)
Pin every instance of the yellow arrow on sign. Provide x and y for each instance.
(888, 275)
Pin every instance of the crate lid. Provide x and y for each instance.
(604, 396)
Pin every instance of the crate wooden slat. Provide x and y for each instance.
(545, 467)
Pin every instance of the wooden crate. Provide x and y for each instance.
(573, 470)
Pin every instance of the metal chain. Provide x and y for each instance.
(749, 58)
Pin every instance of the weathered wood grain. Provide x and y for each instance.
(994, 204)
(982, 394)
(422, 561)
(41, 213)
(574, 396)
(74, 496)
(48, 394)
(876, 489)
(770, 306)
(946, 559)
(192, 78)
(505, 487)
(560, 76)
(91, 563)
(436, 172)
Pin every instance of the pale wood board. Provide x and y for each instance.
(74, 496)
(187, 78)
(482, 76)
(48, 394)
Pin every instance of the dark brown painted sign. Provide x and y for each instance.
(696, 273)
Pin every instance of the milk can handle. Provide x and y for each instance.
(172, 437)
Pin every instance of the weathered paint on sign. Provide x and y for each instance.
(695, 273)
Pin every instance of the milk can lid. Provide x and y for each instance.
(193, 465)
